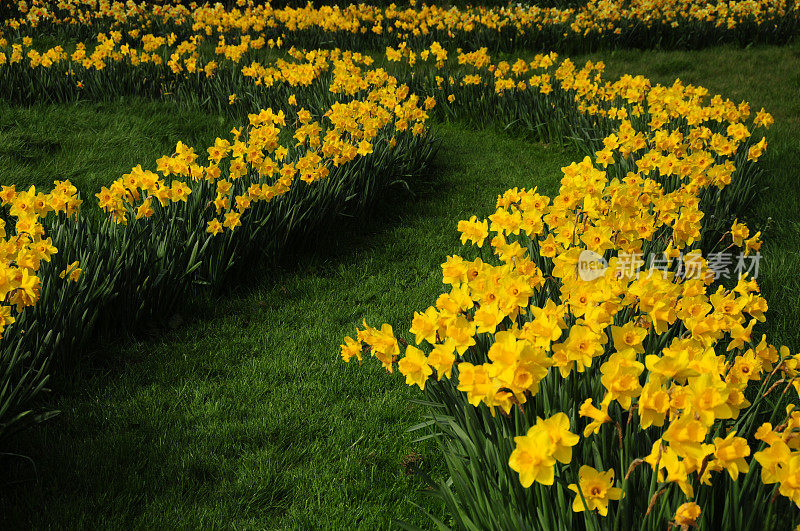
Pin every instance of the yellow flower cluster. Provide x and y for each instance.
(93, 12)
(348, 131)
(311, 65)
(23, 246)
(780, 459)
(538, 450)
(712, 129)
(596, 17)
(567, 292)
(135, 49)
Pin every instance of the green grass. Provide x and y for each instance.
(246, 416)
(91, 144)
(769, 77)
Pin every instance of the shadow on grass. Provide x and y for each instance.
(244, 414)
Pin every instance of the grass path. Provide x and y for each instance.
(246, 415)
(91, 144)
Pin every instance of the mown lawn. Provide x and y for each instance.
(91, 144)
(244, 415)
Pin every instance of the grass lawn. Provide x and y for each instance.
(91, 144)
(245, 415)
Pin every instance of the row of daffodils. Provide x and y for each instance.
(593, 24)
(289, 172)
(591, 364)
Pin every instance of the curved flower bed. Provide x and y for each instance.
(591, 355)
